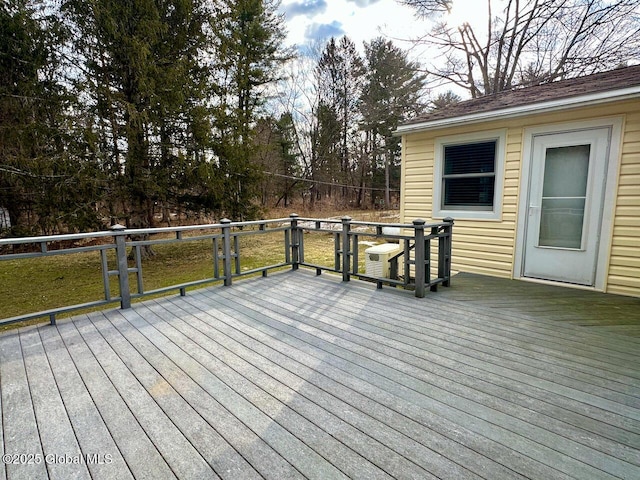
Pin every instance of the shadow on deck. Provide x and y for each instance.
(298, 376)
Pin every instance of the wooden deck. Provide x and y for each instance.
(297, 376)
(599, 311)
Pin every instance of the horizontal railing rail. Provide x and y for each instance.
(125, 249)
(417, 271)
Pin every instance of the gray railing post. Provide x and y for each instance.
(444, 253)
(418, 226)
(427, 255)
(346, 251)
(226, 251)
(295, 242)
(119, 235)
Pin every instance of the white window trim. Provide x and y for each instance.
(501, 140)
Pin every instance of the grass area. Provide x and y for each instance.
(32, 285)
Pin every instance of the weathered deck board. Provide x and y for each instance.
(19, 426)
(573, 306)
(309, 367)
(400, 375)
(91, 431)
(277, 400)
(173, 399)
(3, 470)
(298, 454)
(138, 450)
(297, 376)
(249, 456)
(54, 426)
(183, 460)
(444, 370)
(518, 356)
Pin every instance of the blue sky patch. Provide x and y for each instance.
(322, 31)
(307, 8)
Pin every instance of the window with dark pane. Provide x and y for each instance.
(469, 176)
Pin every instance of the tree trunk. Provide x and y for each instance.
(387, 168)
(138, 170)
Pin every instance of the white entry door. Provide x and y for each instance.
(566, 195)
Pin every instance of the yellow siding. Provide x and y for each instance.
(622, 254)
(623, 262)
(479, 246)
(624, 265)
(488, 247)
(625, 217)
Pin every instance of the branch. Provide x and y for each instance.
(573, 41)
(18, 171)
(480, 54)
(427, 8)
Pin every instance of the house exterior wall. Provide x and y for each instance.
(624, 262)
(488, 246)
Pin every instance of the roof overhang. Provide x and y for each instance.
(522, 110)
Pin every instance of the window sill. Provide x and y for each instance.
(468, 215)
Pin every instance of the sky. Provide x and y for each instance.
(315, 21)
(361, 20)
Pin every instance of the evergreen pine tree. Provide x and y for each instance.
(249, 52)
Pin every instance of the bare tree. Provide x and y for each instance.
(298, 95)
(339, 74)
(531, 41)
(426, 8)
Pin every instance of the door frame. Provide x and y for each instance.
(609, 202)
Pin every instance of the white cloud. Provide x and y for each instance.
(323, 31)
(363, 3)
(307, 8)
(360, 20)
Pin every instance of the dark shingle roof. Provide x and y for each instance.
(575, 87)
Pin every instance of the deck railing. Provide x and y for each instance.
(410, 268)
